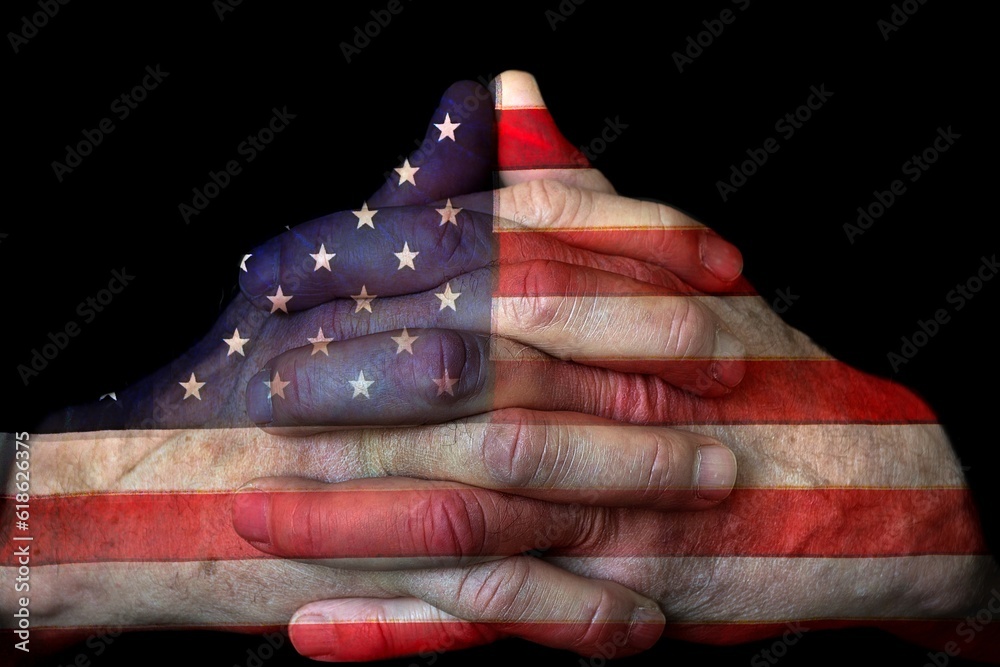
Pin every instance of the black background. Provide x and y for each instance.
(606, 60)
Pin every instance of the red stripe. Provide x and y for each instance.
(771, 393)
(529, 139)
(548, 279)
(752, 522)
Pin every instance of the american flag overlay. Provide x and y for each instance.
(421, 306)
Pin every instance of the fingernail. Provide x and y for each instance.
(729, 367)
(307, 618)
(716, 472)
(728, 373)
(250, 512)
(646, 627)
(261, 277)
(259, 398)
(721, 257)
(520, 89)
(313, 636)
(728, 346)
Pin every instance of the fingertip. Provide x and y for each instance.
(516, 88)
(645, 628)
(251, 511)
(259, 409)
(716, 472)
(728, 365)
(261, 273)
(720, 257)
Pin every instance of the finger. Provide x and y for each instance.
(388, 523)
(606, 320)
(613, 225)
(395, 522)
(404, 250)
(360, 629)
(377, 381)
(455, 156)
(434, 375)
(530, 146)
(597, 318)
(559, 457)
(515, 597)
(411, 249)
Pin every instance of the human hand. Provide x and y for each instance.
(850, 509)
(85, 475)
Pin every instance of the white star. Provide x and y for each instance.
(277, 385)
(361, 385)
(406, 172)
(364, 300)
(445, 384)
(192, 387)
(322, 258)
(366, 216)
(243, 262)
(449, 214)
(405, 257)
(320, 342)
(115, 398)
(236, 343)
(405, 342)
(447, 128)
(448, 298)
(279, 301)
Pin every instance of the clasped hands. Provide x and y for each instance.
(566, 375)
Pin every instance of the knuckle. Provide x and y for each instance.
(690, 330)
(541, 304)
(521, 453)
(603, 615)
(544, 203)
(465, 356)
(501, 589)
(666, 217)
(449, 522)
(308, 518)
(658, 464)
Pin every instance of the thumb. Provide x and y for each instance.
(455, 156)
(529, 144)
